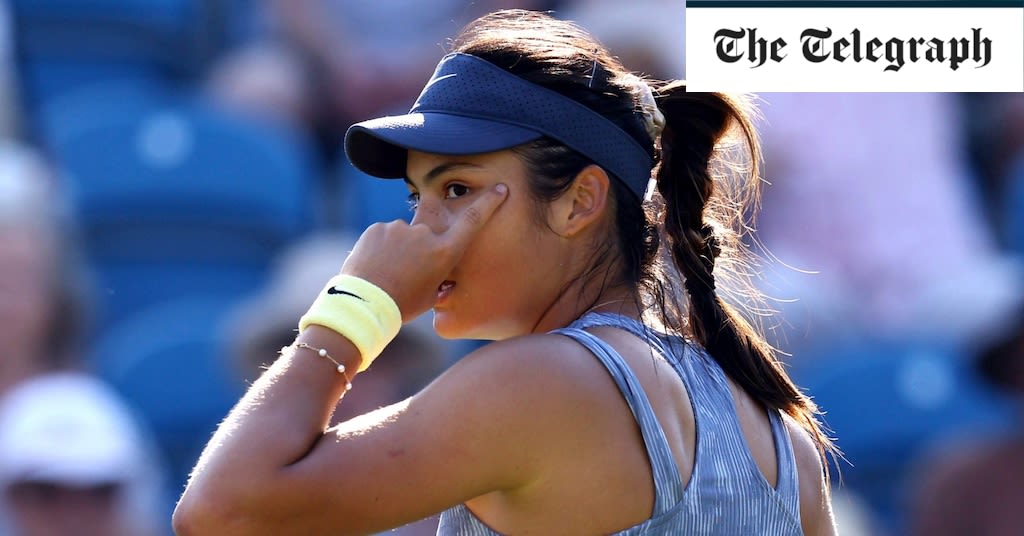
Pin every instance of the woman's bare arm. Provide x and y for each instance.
(272, 467)
(815, 501)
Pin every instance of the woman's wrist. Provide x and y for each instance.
(329, 352)
(358, 311)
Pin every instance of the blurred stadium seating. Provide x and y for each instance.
(181, 208)
(174, 197)
(1013, 208)
(889, 404)
(167, 361)
(61, 45)
(364, 200)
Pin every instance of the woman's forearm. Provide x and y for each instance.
(248, 479)
(275, 424)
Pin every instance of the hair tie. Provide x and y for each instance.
(707, 248)
(711, 244)
(654, 119)
(696, 286)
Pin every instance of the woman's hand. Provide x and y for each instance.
(411, 261)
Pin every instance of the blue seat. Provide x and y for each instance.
(365, 200)
(175, 197)
(65, 44)
(169, 361)
(1013, 207)
(82, 108)
(167, 15)
(888, 404)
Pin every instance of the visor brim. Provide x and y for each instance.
(379, 147)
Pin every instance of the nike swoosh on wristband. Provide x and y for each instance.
(335, 290)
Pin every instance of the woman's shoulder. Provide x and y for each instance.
(551, 377)
(548, 365)
(805, 450)
(530, 389)
(554, 377)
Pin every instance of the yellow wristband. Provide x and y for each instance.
(359, 311)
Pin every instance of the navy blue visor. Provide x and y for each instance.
(471, 106)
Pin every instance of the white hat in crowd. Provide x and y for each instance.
(67, 428)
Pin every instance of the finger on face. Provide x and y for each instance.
(473, 219)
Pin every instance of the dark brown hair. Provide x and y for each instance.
(707, 187)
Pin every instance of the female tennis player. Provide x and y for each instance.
(621, 395)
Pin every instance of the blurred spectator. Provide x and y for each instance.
(348, 59)
(658, 52)
(892, 275)
(73, 462)
(41, 290)
(325, 64)
(267, 322)
(876, 202)
(370, 60)
(977, 487)
(263, 81)
(995, 144)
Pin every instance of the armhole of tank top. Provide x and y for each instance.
(665, 472)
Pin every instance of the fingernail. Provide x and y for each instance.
(501, 188)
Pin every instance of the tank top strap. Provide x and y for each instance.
(713, 401)
(788, 484)
(591, 320)
(668, 486)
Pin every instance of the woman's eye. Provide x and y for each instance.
(455, 190)
(414, 201)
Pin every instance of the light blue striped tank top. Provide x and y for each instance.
(727, 494)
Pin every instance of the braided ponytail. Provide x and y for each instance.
(700, 223)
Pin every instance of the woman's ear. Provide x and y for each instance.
(582, 204)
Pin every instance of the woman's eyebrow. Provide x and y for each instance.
(441, 169)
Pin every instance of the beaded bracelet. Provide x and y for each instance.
(322, 352)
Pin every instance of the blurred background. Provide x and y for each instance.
(173, 194)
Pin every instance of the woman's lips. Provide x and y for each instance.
(444, 290)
